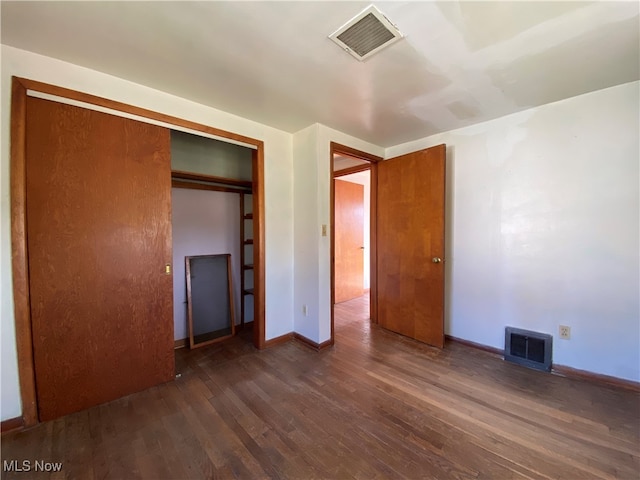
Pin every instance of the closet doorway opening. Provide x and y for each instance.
(212, 214)
(353, 228)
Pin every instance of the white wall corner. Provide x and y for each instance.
(544, 220)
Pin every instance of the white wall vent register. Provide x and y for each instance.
(531, 349)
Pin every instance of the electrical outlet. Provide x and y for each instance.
(324, 230)
(304, 310)
(565, 332)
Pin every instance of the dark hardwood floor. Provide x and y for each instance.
(376, 405)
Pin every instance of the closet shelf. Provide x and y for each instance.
(210, 178)
(248, 291)
(248, 241)
(248, 216)
(249, 266)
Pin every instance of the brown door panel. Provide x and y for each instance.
(410, 235)
(349, 240)
(99, 236)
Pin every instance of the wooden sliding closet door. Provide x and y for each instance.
(99, 237)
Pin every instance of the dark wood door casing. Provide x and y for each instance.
(345, 150)
(98, 237)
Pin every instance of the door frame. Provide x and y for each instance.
(20, 267)
(343, 150)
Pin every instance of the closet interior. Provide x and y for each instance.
(211, 199)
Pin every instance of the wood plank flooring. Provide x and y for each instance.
(376, 405)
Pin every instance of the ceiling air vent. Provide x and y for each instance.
(366, 34)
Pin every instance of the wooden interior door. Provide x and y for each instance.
(410, 233)
(349, 240)
(99, 237)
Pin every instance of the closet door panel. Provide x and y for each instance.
(99, 237)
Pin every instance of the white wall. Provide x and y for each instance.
(278, 190)
(543, 221)
(312, 271)
(307, 229)
(203, 223)
(364, 179)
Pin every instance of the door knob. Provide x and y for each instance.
(436, 259)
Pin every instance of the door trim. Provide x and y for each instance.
(20, 271)
(336, 148)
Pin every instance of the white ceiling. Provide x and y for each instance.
(460, 63)
(340, 162)
(361, 178)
